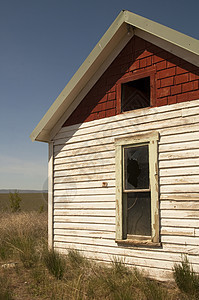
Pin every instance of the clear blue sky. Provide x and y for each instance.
(42, 44)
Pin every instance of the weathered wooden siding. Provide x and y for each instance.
(84, 210)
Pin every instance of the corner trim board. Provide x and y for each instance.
(50, 195)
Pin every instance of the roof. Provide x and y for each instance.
(113, 41)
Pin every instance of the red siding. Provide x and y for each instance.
(176, 80)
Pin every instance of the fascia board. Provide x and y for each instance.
(177, 38)
(112, 36)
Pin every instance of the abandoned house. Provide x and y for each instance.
(124, 150)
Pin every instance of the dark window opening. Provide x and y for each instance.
(137, 190)
(135, 94)
(138, 214)
(136, 167)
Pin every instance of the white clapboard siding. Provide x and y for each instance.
(155, 273)
(85, 212)
(178, 231)
(136, 125)
(180, 240)
(186, 205)
(132, 126)
(84, 186)
(60, 207)
(180, 196)
(115, 130)
(72, 153)
(174, 213)
(84, 226)
(83, 164)
(176, 171)
(102, 138)
(179, 137)
(92, 191)
(90, 170)
(85, 233)
(109, 252)
(179, 179)
(85, 219)
(179, 154)
(64, 200)
(184, 107)
(140, 121)
(86, 178)
(179, 222)
(190, 251)
(179, 146)
(185, 162)
(157, 268)
(183, 249)
(179, 187)
(84, 157)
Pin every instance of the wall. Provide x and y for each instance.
(84, 210)
(176, 81)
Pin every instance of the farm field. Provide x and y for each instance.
(30, 201)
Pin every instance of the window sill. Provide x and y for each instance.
(138, 243)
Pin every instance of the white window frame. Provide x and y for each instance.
(151, 139)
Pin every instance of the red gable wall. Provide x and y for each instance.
(175, 80)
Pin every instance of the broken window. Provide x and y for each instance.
(137, 188)
(136, 91)
(135, 94)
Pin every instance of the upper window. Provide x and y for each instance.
(137, 212)
(135, 94)
(136, 91)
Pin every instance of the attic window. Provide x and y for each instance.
(135, 94)
(136, 91)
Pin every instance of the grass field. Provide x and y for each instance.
(30, 201)
(29, 271)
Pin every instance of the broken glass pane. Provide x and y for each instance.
(136, 168)
(139, 214)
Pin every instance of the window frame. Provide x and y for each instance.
(151, 139)
(132, 77)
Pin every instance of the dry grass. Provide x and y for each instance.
(41, 274)
(30, 201)
(22, 234)
(23, 222)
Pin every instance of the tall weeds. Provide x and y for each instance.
(22, 236)
(55, 263)
(186, 279)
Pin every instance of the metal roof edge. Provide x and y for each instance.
(168, 34)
